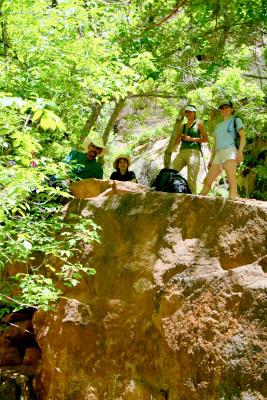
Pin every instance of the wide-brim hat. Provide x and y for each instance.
(96, 140)
(226, 103)
(190, 107)
(119, 157)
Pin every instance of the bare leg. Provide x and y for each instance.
(230, 168)
(212, 174)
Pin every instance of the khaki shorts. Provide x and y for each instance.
(223, 155)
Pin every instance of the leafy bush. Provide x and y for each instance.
(45, 245)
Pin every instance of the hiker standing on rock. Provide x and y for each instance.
(121, 165)
(84, 163)
(192, 134)
(226, 153)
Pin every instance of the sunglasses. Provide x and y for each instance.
(96, 147)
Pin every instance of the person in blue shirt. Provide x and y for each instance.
(84, 163)
(224, 154)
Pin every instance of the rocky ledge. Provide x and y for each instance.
(176, 309)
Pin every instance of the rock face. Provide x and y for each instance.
(175, 311)
(19, 356)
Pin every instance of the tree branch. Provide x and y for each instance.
(174, 11)
(161, 95)
(255, 76)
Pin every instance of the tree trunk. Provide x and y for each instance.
(96, 109)
(170, 147)
(113, 118)
(5, 38)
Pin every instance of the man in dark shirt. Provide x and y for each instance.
(85, 164)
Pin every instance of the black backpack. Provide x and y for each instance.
(171, 181)
(237, 137)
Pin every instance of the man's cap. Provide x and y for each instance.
(226, 104)
(96, 140)
(190, 107)
(119, 157)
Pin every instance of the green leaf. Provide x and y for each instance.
(37, 115)
(45, 122)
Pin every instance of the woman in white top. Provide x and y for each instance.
(224, 153)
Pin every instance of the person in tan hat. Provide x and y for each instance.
(85, 164)
(121, 165)
(191, 135)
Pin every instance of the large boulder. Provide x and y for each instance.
(87, 188)
(175, 311)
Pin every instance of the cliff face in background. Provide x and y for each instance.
(175, 311)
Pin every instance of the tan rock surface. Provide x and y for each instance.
(88, 188)
(175, 311)
(32, 356)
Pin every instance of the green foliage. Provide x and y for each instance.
(46, 248)
(247, 97)
(31, 230)
(254, 179)
(35, 290)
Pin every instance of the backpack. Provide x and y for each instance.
(237, 137)
(171, 181)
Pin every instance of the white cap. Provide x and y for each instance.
(96, 140)
(190, 107)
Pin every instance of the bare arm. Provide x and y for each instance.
(203, 133)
